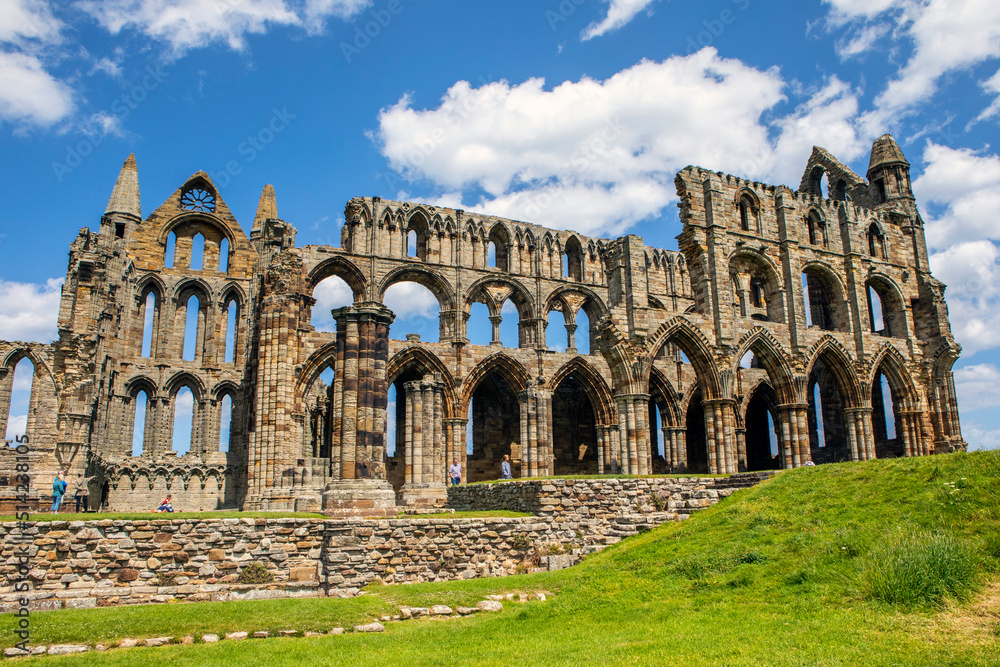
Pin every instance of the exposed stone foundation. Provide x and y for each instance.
(111, 562)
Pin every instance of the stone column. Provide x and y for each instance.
(495, 320)
(742, 464)
(570, 339)
(722, 443)
(633, 429)
(359, 447)
(536, 449)
(425, 480)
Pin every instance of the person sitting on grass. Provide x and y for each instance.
(165, 506)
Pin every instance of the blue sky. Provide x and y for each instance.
(572, 114)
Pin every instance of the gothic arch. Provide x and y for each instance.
(774, 359)
(225, 388)
(695, 345)
(344, 269)
(185, 288)
(432, 280)
(593, 306)
(662, 393)
(512, 371)
(314, 366)
(891, 363)
(141, 383)
(425, 362)
(518, 295)
(593, 384)
(185, 379)
(839, 361)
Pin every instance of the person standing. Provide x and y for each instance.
(58, 490)
(81, 493)
(455, 472)
(505, 468)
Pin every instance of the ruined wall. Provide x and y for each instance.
(113, 562)
(794, 311)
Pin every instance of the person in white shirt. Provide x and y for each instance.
(505, 468)
(455, 472)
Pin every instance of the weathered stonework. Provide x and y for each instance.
(832, 294)
(112, 562)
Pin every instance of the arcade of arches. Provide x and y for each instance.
(787, 328)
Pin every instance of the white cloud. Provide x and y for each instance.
(410, 300)
(947, 35)
(191, 24)
(992, 86)
(968, 184)
(26, 21)
(978, 386)
(329, 294)
(28, 311)
(979, 437)
(16, 426)
(598, 156)
(620, 12)
(962, 239)
(29, 94)
(860, 41)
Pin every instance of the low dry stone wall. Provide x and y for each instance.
(595, 498)
(111, 562)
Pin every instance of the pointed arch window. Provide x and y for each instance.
(876, 242)
(817, 230)
(748, 214)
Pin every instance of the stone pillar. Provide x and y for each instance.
(425, 480)
(795, 447)
(720, 434)
(536, 420)
(495, 320)
(868, 436)
(741, 450)
(633, 433)
(570, 339)
(359, 446)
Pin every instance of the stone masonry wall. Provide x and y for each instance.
(110, 562)
(590, 498)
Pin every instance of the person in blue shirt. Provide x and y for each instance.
(58, 489)
(505, 468)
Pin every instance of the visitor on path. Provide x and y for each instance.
(81, 492)
(58, 490)
(105, 492)
(166, 505)
(505, 468)
(455, 472)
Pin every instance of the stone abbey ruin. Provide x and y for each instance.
(831, 293)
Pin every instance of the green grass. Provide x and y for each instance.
(774, 575)
(164, 516)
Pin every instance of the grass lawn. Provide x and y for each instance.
(163, 516)
(774, 575)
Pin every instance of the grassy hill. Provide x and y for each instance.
(875, 563)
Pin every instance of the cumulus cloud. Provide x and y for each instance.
(329, 294)
(189, 24)
(962, 241)
(992, 86)
(947, 35)
(599, 156)
(967, 183)
(978, 386)
(620, 12)
(979, 437)
(28, 311)
(30, 96)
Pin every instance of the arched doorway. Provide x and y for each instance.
(697, 444)
(574, 430)
(761, 437)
